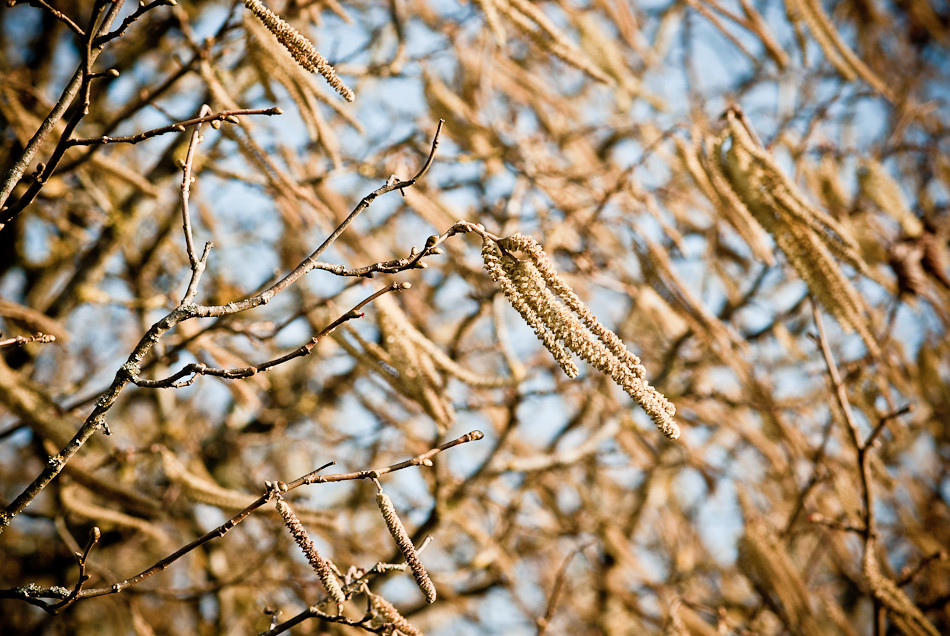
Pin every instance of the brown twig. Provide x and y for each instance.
(19, 341)
(143, 8)
(544, 622)
(59, 15)
(186, 181)
(224, 115)
(195, 369)
(97, 419)
(94, 536)
(910, 574)
(272, 489)
(78, 86)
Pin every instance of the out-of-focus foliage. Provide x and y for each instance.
(703, 174)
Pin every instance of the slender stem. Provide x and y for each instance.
(204, 117)
(130, 370)
(78, 85)
(272, 489)
(186, 195)
(195, 369)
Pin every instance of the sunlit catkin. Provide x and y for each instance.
(404, 543)
(319, 565)
(391, 615)
(299, 47)
(812, 240)
(492, 258)
(564, 324)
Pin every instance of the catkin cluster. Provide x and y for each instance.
(564, 324)
(388, 612)
(299, 47)
(399, 331)
(832, 44)
(414, 366)
(764, 561)
(749, 185)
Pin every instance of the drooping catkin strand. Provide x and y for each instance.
(388, 612)
(564, 323)
(763, 559)
(886, 193)
(793, 203)
(811, 239)
(832, 44)
(319, 565)
(563, 291)
(493, 21)
(404, 543)
(712, 184)
(417, 373)
(299, 47)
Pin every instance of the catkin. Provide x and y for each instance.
(812, 240)
(400, 328)
(299, 47)
(404, 543)
(389, 612)
(536, 25)
(564, 324)
(886, 193)
(493, 264)
(763, 559)
(319, 565)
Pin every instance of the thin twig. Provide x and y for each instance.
(142, 9)
(195, 369)
(131, 369)
(186, 180)
(94, 536)
(19, 341)
(79, 85)
(544, 622)
(910, 574)
(62, 17)
(272, 489)
(224, 115)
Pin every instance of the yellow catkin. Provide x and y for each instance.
(832, 44)
(318, 563)
(299, 47)
(565, 324)
(812, 240)
(404, 543)
(400, 324)
(878, 185)
(763, 559)
(492, 258)
(712, 184)
(535, 24)
(392, 616)
(493, 21)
